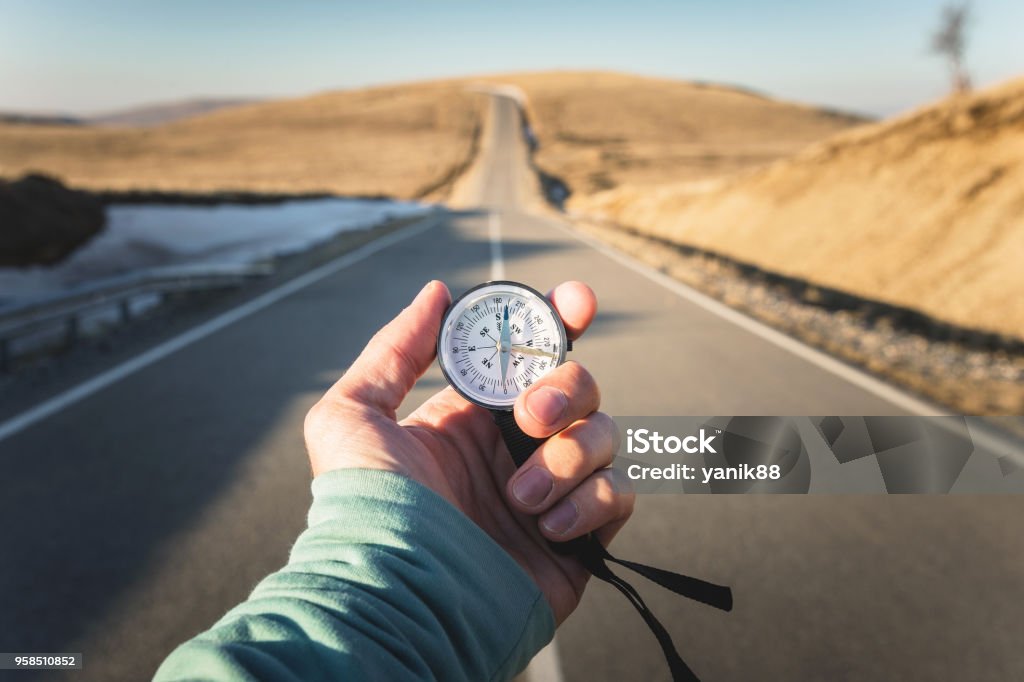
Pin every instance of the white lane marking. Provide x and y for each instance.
(546, 666)
(497, 261)
(115, 374)
(984, 437)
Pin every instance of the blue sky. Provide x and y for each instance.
(869, 56)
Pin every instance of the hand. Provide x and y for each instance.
(453, 447)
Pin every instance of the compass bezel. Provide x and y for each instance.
(456, 309)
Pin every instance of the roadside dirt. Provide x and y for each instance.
(968, 380)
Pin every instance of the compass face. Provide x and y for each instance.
(496, 340)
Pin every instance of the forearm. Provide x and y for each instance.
(388, 582)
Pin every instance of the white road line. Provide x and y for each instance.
(115, 374)
(497, 261)
(546, 665)
(989, 439)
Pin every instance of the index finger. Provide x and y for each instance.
(576, 305)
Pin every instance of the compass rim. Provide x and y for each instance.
(559, 324)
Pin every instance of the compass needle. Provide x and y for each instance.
(505, 345)
(527, 350)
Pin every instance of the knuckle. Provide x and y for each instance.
(582, 387)
(596, 442)
(608, 432)
(604, 489)
(407, 365)
(584, 447)
(614, 494)
(325, 415)
(590, 388)
(621, 482)
(628, 503)
(314, 418)
(576, 372)
(566, 457)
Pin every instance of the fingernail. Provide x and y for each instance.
(533, 486)
(562, 518)
(546, 404)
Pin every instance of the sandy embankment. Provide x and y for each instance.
(924, 211)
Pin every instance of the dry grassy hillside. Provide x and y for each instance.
(403, 141)
(925, 211)
(599, 130)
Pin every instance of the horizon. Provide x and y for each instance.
(83, 60)
(257, 98)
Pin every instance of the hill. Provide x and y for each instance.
(405, 141)
(924, 211)
(598, 130)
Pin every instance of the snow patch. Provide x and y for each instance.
(145, 236)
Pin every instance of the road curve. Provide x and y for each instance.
(137, 515)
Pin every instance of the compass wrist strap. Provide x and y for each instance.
(594, 557)
(519, 445)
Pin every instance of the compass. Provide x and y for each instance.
(497, 340)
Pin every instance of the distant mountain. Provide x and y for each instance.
(165, 112)
(143, 115)
(27, 118)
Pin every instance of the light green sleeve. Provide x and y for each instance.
(389, 582)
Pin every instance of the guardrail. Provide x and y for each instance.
(68, 308)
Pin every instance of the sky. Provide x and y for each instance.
(870, 56)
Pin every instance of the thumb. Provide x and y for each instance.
(398, 354)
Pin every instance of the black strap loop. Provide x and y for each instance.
(676, 665)
(717, 596)
(519, 445)
(594, 557)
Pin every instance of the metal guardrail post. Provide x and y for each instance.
(126, 310)
(5, 355)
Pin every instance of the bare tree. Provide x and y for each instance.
(950, 41)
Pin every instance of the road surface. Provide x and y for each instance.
(135, 516)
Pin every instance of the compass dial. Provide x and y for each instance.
(496, 340)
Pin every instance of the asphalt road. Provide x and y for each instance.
(136, 516)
